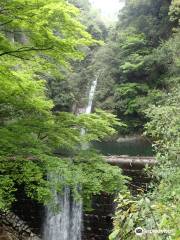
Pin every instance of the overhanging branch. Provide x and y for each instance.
(25, 49)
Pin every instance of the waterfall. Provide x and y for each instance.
(67, 223)
(88, 109)
(91, 96)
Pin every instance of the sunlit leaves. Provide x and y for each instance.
(38, 39)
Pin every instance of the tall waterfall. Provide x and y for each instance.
(67, 223)
(91, 96)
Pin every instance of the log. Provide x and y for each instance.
(130, 161)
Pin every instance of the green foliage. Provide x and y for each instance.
(133, 64)
(6, 192)
(128, 96)
(131, 213)
(95, 176)
(134, 47)
(38, 25)
(164, 128)
(159, 208)
(175, 12)
(70, 91)
(141, 211)
(27, 149)
(38, 39)
(148, 17)
(139, 52)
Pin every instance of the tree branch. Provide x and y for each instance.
(25, 49)
(20, 57)
(2, 24)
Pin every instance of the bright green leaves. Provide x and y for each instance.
(98, 125)
(132, 89)
(133, 47)
(130, 39)
(21, 92)
(7, 190)
(134, 63)
(38, 39)
(130, 214)
(49, 26)
(152, 91)
(140, 211)
(97, 176)
(127, 97)
(27, 147)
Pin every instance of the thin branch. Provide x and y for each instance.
(25, 49)
(15, 31)
(2, 24)
(20, 57)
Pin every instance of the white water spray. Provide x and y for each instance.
(67, 223)
(91, 96)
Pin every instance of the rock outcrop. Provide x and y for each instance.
(13, 228)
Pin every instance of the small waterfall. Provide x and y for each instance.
(88, 109)
(57, 225)
(67, 223)
(91, 96)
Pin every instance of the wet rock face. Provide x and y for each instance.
(98, 224)
(13, 228)
(29, 211)
(25, 223)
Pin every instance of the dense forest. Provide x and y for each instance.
(50, 53)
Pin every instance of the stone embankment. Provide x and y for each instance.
(13, 228)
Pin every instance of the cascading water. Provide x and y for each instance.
(67, 224)
(91, 96)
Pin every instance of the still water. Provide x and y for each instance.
(132, 146)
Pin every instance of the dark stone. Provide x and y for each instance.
(98, 224)
(29, 211)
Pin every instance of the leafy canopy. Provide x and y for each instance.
(40, 38)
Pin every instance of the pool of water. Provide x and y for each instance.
(132, 146)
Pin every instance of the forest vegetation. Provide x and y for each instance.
(37, 46)
(50, 52)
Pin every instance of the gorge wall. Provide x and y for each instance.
(98, 223)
